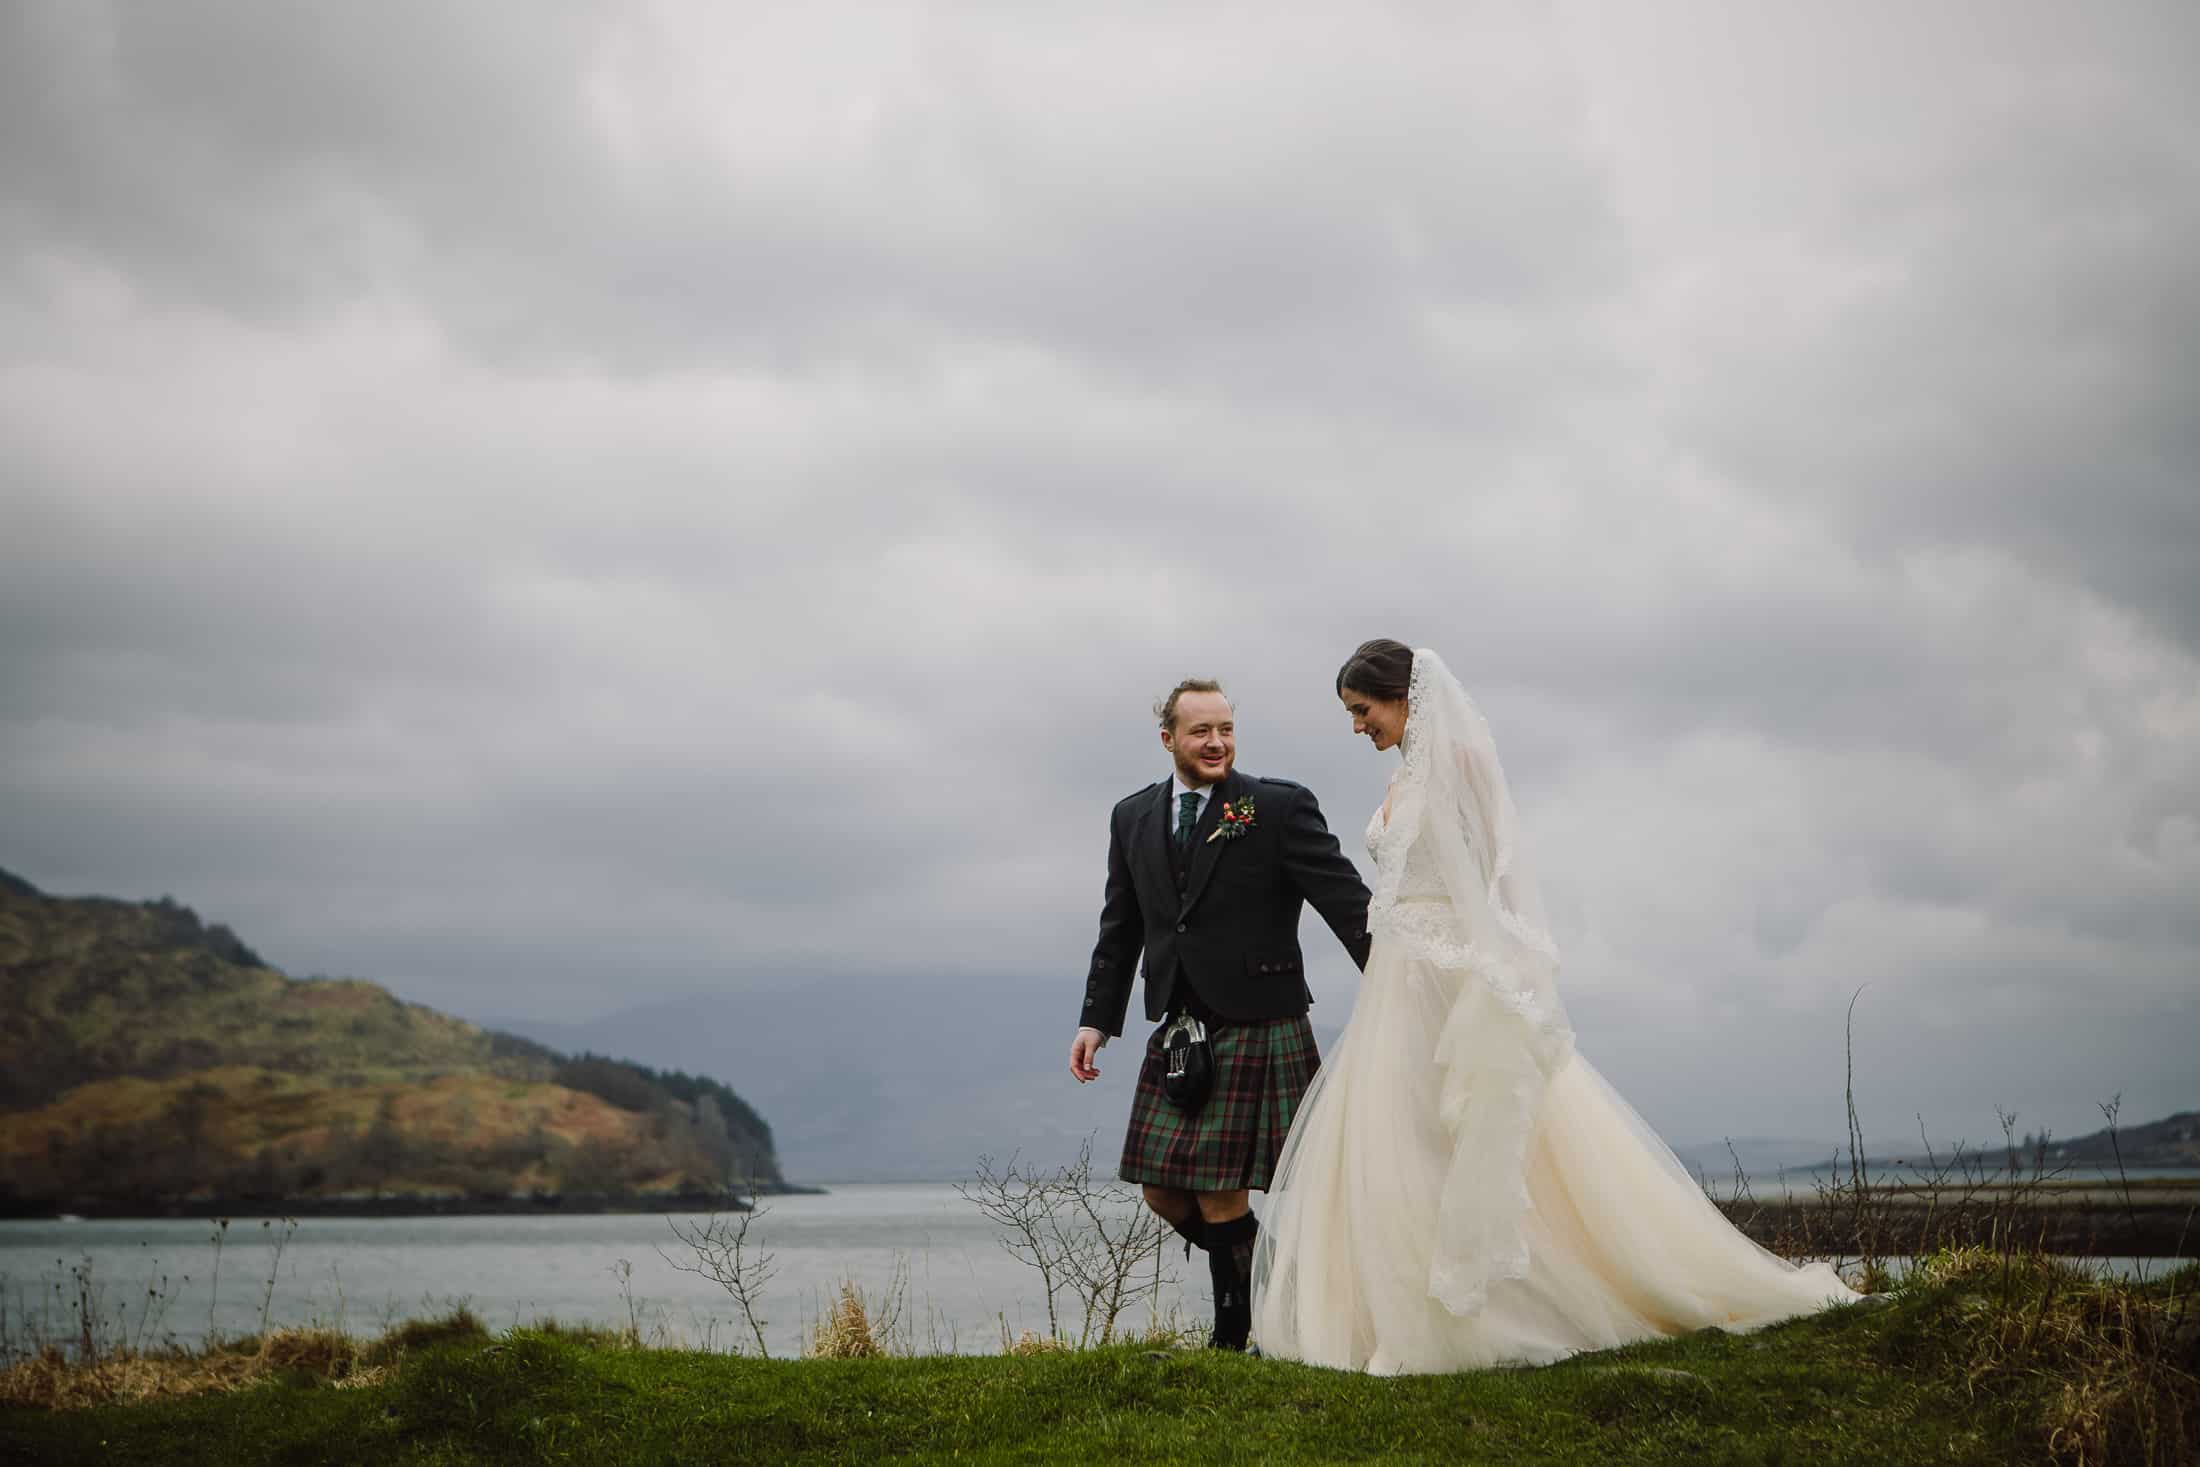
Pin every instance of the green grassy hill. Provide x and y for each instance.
(1979, 1360)
(149, 1059)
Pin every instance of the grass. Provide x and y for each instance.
(1944, 1372)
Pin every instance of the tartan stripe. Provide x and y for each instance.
(1262, 1068)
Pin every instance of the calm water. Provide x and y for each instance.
(363, 1273)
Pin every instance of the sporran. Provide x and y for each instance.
(1191, 1071)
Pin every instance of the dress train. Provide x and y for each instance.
(1613, 1240)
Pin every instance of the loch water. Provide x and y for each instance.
(961, 1288)
(154, 1281)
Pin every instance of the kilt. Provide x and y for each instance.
(1262, 1068)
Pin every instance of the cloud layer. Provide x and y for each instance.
(558, 508)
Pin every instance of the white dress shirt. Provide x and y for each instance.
(1178, 789)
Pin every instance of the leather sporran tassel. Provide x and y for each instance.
(1190, 1069)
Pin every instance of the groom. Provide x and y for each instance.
(1207, 872)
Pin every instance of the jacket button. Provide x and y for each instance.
(1180, 926)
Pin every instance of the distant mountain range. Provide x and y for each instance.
(151, 1061)
(872, 1079)
(2173, 1141)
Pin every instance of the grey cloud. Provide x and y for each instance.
(239, 154)
(557, 514)
(1981, 332)
(1283, 214)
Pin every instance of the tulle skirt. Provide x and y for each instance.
(1616, 1241)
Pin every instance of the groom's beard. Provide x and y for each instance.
(1197, 777)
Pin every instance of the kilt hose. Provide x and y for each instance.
(1262, 1069)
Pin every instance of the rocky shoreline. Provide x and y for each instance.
(410, 1205)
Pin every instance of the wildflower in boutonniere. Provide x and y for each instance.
(1236, 820)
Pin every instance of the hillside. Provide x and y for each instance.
(147, 1059)
(2171, 1141)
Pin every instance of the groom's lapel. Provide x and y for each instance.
(1206, 852)
(1149, 837)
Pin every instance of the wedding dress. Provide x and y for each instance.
(1460, 1188)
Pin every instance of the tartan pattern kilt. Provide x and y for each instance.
(1262, 1069)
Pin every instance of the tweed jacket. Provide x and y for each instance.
(1228, 922)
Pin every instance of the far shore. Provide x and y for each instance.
(2133, 1218)
(23, 1209)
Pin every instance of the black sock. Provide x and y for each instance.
(1229, 1268)
(1241, 1249)
(1193, 1230)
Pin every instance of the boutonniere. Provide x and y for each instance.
(1236, 820)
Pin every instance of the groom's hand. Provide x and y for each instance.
(1083, 1050)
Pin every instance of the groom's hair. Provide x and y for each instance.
(1165, 710)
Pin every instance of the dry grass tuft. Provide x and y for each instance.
(2129, 1388)
(58, 1381)
(1030, 1342)
(365, 1378)
(2115, 1362)
(847, 1332)
(321, 1352)
(860, 1326)
(52, 1380)
(1952, 1265)
(1172, 1333)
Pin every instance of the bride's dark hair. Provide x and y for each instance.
(1381, 669)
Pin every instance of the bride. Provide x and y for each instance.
(1460, 1188)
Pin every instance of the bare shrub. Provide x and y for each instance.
(281, 1236)
(1863, 1217)
(719, 1250)
(622, 1269)
(1092, 1242)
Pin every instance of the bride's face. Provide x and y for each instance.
(1382, 721)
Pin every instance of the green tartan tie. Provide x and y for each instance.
(1187, 817)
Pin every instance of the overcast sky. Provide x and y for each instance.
(553, 507)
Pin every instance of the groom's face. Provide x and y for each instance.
(1203, 739)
